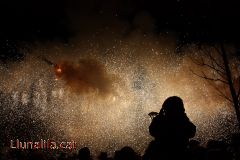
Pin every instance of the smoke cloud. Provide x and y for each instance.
(85, 76)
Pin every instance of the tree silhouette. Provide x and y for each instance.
(222, 71)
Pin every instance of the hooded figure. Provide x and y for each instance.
(171, 129)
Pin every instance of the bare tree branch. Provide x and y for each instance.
(214, 61)
(220, 73)
(202, 63)
(214, 79)
(223, 95)
(224, 71)
(204, 76)
(208, 79)
(220, 92)
(218, 50)
(215, 65)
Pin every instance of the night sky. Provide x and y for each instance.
(92, 71)
(53, 20)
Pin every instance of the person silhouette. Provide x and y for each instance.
(84, 154)
(171, 129)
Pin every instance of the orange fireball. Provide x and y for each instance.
(58, 70)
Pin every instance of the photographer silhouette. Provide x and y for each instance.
(172, 130)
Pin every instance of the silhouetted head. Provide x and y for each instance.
(84, 154)
(173, 105)
(126, 153)
(103, 156)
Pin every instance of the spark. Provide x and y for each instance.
(121, 118)
(59, 70)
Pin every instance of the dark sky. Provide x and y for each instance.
(50, 20)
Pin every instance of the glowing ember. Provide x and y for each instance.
(59, 70)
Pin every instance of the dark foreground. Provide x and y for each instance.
(214, 150)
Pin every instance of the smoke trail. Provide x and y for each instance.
(88, 75)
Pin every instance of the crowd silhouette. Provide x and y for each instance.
(172, 132)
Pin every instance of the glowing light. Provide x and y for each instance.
(58, 70)
(146, 80)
